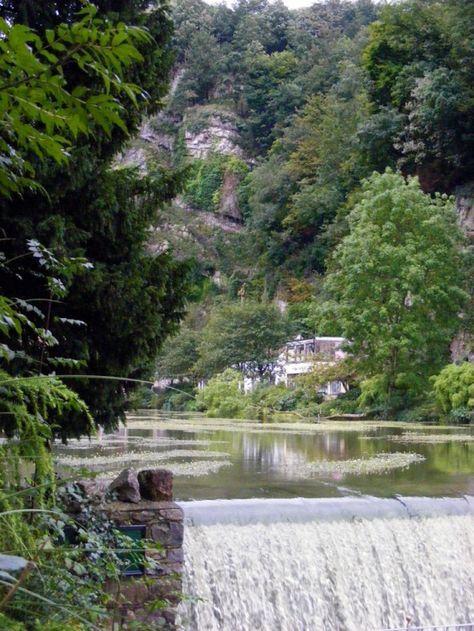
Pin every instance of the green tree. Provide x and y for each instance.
(246, 336)
(179, 355)
(131, 299)
(203, 66)
(39, 114)
(420, 60)
(396, 282)
(269, 95)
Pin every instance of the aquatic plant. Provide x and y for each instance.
(380, 463)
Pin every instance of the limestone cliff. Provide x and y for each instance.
(210, 129)
(462, 347)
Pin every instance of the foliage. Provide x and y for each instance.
(268, 96)
(131, 299)
(66, 87)
(344, 370)
(419, 58)
(180, 398)
(396, 283)
(300, 398)
(178, 355)
(246, 336)
(221, 397)
(204, 185)
(461, 415)
(40, 114)
(454, 387)
(343, 404)
(426, 412)
(62, 586)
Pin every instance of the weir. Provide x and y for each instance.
(345, 564)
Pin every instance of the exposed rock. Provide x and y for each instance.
(215, 133)
(156, 484)
(229, 197)
(93, 489)
(126, 487)
(465, 209)
(157, 139)
(462, 348)
(133, 157)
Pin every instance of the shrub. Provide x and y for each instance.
(454, 387)
(379, 401)
(341, 405)
(222, 396)
(461, 415)
(423, 413)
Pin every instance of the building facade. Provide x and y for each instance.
(299, 357)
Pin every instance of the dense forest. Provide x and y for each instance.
(185, 188)
(276, 118)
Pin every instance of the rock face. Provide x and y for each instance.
(126, 487)
(462, 347)
(156, 484)
(216, 133)
(465, 209)
(229, 199)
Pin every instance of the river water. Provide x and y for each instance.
(347, 558)
(218, 458)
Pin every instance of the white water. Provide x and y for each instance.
(333, 574)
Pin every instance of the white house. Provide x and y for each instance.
(300, 356)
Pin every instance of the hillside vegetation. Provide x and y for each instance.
(277, 120)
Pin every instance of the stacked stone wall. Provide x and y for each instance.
(148, 599)
(135, 596)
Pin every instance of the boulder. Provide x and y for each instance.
(93, 489)
(156, 484)
(126, 487)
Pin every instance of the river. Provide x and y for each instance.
(330, 526)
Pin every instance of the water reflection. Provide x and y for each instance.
(277, 460)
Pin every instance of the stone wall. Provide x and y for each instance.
(149, 599)
(134, 597)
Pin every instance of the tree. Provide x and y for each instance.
(131, 299)
(420, 60)
(396, 281)
(246, 336)
(39, 114)
(269, 93)
(178, 355)
(222, 396)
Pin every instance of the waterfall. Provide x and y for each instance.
(344, 564)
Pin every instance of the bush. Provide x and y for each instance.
(461, 415)
(423, 413)
(454, 387)
(341, 405)
(379, 402)
(170, 399)
(207, 177)
(222, 396)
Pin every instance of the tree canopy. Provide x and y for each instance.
(246, 336)
(130, 299)
(396, 280)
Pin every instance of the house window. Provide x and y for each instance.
(336, 387)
